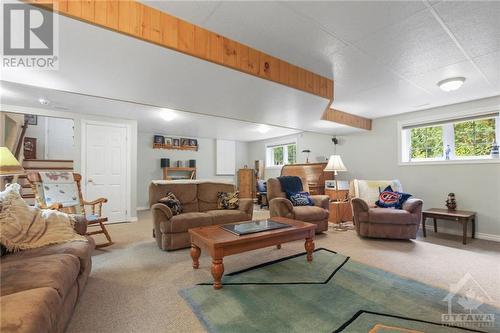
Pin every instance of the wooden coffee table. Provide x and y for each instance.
(221, 243)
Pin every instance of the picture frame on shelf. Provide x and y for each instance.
(168, 141)
(159, 139)
(175, 142)
(184, 142)
(31, 119)
(193, 142)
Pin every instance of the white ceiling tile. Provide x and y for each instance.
(475, 86)
(413, 46)
(192, 11)
(476, 24)
(489, 64)
(277, 30)
(354, 71)
(387, 99)
(352, 20)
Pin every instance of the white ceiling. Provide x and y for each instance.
(148, 117)
(385, 56)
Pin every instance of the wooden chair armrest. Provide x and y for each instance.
(95, 202)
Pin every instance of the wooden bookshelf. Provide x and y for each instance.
(164, 146)
(190, 173)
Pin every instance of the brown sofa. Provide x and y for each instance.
(279, 205)
(199, 203)
(371, 221)
(39, 288)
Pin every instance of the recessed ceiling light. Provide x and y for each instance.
(451, 84)
(263, 128)
(44, 101)
(168, 114)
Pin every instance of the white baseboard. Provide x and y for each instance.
(142, 208)
(458, 232)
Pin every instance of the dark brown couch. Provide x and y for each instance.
(39, 288)
(199, 203)
(279, 205)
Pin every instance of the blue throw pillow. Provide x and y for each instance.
(300, 199)
(391, 199)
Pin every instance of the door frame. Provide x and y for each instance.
(128, 161)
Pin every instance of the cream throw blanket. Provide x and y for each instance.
(24, 227)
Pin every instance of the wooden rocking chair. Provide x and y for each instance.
(93, 218)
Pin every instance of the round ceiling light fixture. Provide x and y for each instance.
(263, 128)
(168, 114)
(451, 84)
(43, 101)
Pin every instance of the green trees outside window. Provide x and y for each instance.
(474, 138)
(427, 142)
(292, 154)
(278, 155)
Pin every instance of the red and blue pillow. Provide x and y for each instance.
(391, 199)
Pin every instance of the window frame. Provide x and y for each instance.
(270, 155)
(447, 121)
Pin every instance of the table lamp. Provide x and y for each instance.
(335, 164)
(9, 165)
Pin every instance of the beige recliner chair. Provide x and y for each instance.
(371, 221)
(279, 205)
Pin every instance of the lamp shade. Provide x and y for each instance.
(9, 165)
(335, 164)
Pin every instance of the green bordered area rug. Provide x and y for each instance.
(332, 294)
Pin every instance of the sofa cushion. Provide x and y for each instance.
(207, 194)
(223, 216)
(81, 250)
(186, 193)
(391, 216)
(185, 221)
(57, 271)
(33, 310)
(310, 213)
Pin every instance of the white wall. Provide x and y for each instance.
(78, 118)
(149, 162)
(320, 145)
(374, 155)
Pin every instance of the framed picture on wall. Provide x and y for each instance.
(31, 119)
(175, 142)
(168, 141)
(159, 139)
(184, 142)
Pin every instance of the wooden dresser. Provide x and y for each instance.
(311, 174)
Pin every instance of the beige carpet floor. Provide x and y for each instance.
(134, 285)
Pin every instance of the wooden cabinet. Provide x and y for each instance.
(246, 183)
(340, 211)
(340, 195)
(311, 174)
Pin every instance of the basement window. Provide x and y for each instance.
(280, 154)
(460, 139)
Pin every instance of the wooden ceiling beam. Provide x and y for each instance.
(137, 20)
(348, 119)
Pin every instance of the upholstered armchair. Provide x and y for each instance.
(371, 221)
(279, 205)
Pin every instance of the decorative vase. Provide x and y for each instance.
(451, 203)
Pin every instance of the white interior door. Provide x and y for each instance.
(60, 139)
(106, 168)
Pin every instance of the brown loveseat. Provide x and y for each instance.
(279, 205)
(199, 203)
(40, 287)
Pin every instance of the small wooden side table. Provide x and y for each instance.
(460, 216)
(345, 209)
